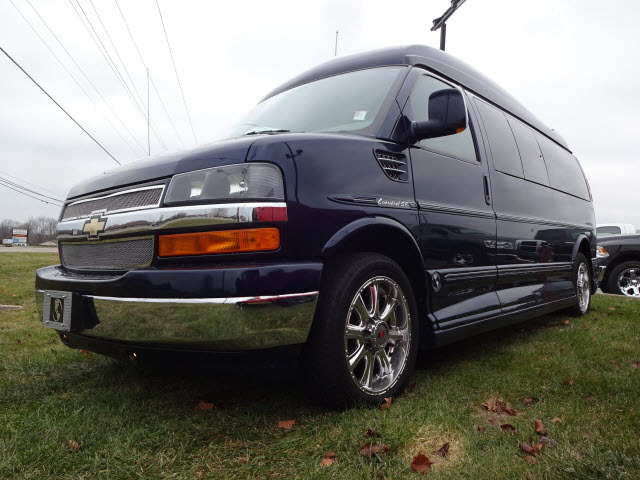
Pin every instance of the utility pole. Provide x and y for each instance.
(440, 22)
(335, 52)
(148, 115)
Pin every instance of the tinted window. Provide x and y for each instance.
(564, 172)
(504, 150)
(530, 154)
(459, 145)
(604, 231)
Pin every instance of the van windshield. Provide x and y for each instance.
(346, 102)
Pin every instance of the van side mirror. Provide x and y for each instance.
(447, 115)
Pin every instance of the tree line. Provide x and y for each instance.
(40, 229)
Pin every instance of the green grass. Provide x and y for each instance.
(133, 423)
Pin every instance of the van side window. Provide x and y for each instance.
(530, 154)
(504, 150)
(459, 145)
(565, 173)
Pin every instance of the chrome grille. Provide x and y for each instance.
(130, 199)
(393, 165)
(118, 255)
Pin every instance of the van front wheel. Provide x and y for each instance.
(364, 341)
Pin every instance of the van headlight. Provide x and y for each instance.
(242, 182)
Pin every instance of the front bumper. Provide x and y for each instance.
(207, 309)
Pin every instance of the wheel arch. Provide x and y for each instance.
(390, 238)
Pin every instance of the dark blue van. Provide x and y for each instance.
(372, 206)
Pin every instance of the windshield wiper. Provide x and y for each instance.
(257, 132)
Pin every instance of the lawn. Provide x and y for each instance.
(69, 414)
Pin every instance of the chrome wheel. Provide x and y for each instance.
(629, 282)
(377, 335)
(583, 287)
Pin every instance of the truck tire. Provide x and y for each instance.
(365, 338)
(624, 279)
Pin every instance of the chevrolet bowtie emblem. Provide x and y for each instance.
(94, 226)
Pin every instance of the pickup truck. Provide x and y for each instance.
(619, 261)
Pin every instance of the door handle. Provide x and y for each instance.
(487, 195)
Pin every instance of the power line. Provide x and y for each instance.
(59, 106)
(72, 77)
(32, 184)
(15, 190)
(85, 75)
(176, 70)
(107, 57)
(126, 71)
(27, 189)
(144, 64)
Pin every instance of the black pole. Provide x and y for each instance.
(443, 36)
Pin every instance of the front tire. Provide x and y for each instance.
(364, 341)
(624, 279)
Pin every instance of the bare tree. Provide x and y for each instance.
(40, 229)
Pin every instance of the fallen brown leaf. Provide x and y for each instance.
(509, 428)
(73, 446)
(594, 339)
(565, 322)
(386, 404)
(326, 462)
(567, 381)
(556, 419)
(537, 447)
(203, 406)
(286, 424)
(636, 365)
(526, 448)
(443, 450)
(421, 464)
(328, 459)
(84, 352)
(585, 326)
(29, 335)
(369, 449)
(531, 459)
(540, 430)
(498, 406)
(530, 400)
(548, 441)
(19, 342)
(482, 428)
(371, 432)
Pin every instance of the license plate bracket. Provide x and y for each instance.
(57, 310)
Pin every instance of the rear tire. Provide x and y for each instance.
(581, 275)
(364, 340)
(624, 279)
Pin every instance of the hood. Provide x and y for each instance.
(223, 152)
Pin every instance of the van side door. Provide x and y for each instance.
(457, 222)
(532, 244)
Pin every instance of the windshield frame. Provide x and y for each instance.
(379, 120)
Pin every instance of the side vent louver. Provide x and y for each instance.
(394, 165)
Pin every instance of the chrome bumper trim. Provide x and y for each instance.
(236, 323)
(152, 219)
(601, 273)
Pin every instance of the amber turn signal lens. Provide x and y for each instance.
(223, 241)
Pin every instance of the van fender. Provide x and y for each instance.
(576, 246)
(361, 225)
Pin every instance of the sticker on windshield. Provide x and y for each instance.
(360, 115)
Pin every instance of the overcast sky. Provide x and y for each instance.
(574, 64)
